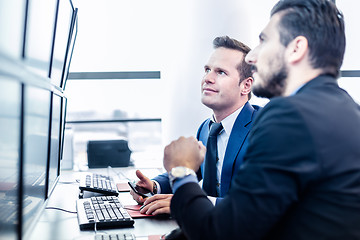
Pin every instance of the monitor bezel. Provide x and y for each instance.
(49, 189)
(70, 49)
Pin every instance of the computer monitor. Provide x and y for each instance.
(71, 45)
(35, 154)
(65, 11)
(63, 123)
(53, 170)
(32, 111)
(10, 154)
(39, 35)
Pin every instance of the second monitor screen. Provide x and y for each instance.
(36, 132)
(54, 143)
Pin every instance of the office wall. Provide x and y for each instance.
(351, 60)
(175, 37)
(350, 10)
(208, 19)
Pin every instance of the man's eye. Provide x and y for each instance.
(207, 70)
(261, 39)
(221, 73)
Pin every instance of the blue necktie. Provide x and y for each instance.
(211, 158)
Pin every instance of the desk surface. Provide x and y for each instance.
(59, 225)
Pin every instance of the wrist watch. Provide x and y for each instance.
(179, 172)
(155, 190)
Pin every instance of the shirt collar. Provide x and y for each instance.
(229, 121)
(296, 90)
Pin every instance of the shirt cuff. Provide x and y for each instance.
(181, 181)
(158, 187)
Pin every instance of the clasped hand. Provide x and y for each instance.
(187, 152)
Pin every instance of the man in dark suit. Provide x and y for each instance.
(301, 174)
(226, 89)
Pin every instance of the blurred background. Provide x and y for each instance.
(137, 65)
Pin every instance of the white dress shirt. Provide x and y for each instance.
(222, 141)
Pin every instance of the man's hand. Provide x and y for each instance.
(186, 152)
(144, 182)
(157, 204)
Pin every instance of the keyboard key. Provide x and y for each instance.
(119, 236)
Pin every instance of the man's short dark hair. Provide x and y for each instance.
(323, 26)
(244, 69)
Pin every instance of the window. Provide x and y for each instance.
(117, 109)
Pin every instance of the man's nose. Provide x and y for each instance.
(251, 57)
(209, 77)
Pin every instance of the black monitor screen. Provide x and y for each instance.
(39, 35)
(10, 121)
(63, 26)
(35, 147)
(54, 159)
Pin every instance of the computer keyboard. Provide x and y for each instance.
(118, 236)
(105, 211)
(98, 183)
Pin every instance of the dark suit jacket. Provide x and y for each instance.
(235, 150)
(300, 178)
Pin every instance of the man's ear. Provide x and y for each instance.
(246, 85)
(297, 49)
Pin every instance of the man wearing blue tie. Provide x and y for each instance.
(226, 89)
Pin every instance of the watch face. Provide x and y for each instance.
(178, 172)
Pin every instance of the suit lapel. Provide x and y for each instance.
(202, 136)
(235, 143)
